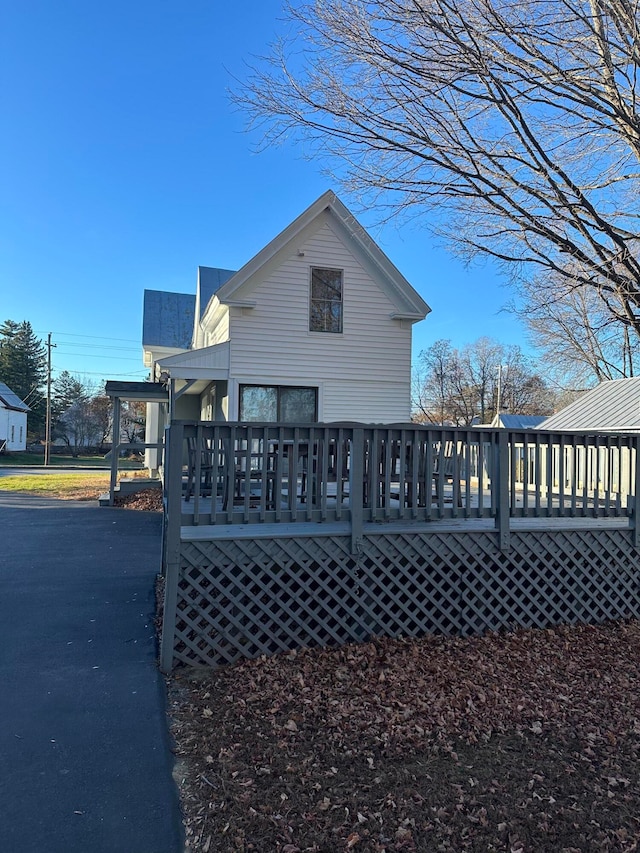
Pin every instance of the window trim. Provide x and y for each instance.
(340, 331)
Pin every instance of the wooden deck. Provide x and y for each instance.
(521, 529)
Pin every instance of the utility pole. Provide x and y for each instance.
(47, 435)
(499, 400)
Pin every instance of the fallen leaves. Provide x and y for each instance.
(148, 500)
(527, 742)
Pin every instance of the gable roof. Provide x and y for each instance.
(612, 405)
(9, 400)
(410, 305)
(167, 319)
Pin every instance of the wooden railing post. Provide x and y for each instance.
(356, 487)
(173, 509)
(501, 478)
(636, 496)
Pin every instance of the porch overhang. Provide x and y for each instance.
(137, 392)
(205, 365)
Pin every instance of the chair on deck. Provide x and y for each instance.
(247, 468)
(208, 465)
(330, 465)
(413, 473)
(447, 468)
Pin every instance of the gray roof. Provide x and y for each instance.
(520, 421)
(10, 400)
(613, 405)
(210, 279)
(167, 319)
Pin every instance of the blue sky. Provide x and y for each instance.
(124, 165)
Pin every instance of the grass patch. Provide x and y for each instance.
(69, 486)
(37, 460)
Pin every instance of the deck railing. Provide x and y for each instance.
(231, 473)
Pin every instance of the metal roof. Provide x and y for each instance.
(10, 400)
(613, 405)
(518, 421)
(210, 279)
(167, 319)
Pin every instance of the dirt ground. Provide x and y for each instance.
(525, 741)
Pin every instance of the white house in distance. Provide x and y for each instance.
(316, 327)
(13, 420)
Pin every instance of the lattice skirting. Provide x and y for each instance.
(243, 598)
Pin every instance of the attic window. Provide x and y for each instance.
(325, 312)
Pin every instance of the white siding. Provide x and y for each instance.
(365, 371)
(13, 429)
(220, 332)
(376, 402)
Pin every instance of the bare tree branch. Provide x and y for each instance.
(516, 122)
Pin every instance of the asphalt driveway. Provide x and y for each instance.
(85, 760)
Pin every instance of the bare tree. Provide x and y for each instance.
(132, 421)
(461, 386)
(580, 340)
(102, 410)
(431, 381)
(515, 120)
(81, 413)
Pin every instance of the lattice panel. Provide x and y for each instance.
(243, 598)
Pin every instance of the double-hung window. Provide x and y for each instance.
(325, 311)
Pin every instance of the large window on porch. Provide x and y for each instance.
(282, 403)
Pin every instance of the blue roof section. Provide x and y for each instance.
(11, 400)
(210, 280)
(521, 421)
(167, 319)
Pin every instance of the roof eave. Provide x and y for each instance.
(409, 300)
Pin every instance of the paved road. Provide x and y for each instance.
(85, 761)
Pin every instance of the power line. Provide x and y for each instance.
(97, 346)
(91, 337)
(140, 372)
(95, 355)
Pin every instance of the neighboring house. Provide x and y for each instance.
(612, 405)
(594, 467)
(316, 327)
(13, 420)
(505, 421)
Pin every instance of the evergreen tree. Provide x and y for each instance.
(74, 418)
(23, 367)
(68, 390)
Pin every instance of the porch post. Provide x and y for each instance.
(356, 489)
(173, 487)
(115, 449)
(636, 497)
(502, 479)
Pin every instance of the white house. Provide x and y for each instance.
(13, 420)
(316, 327)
